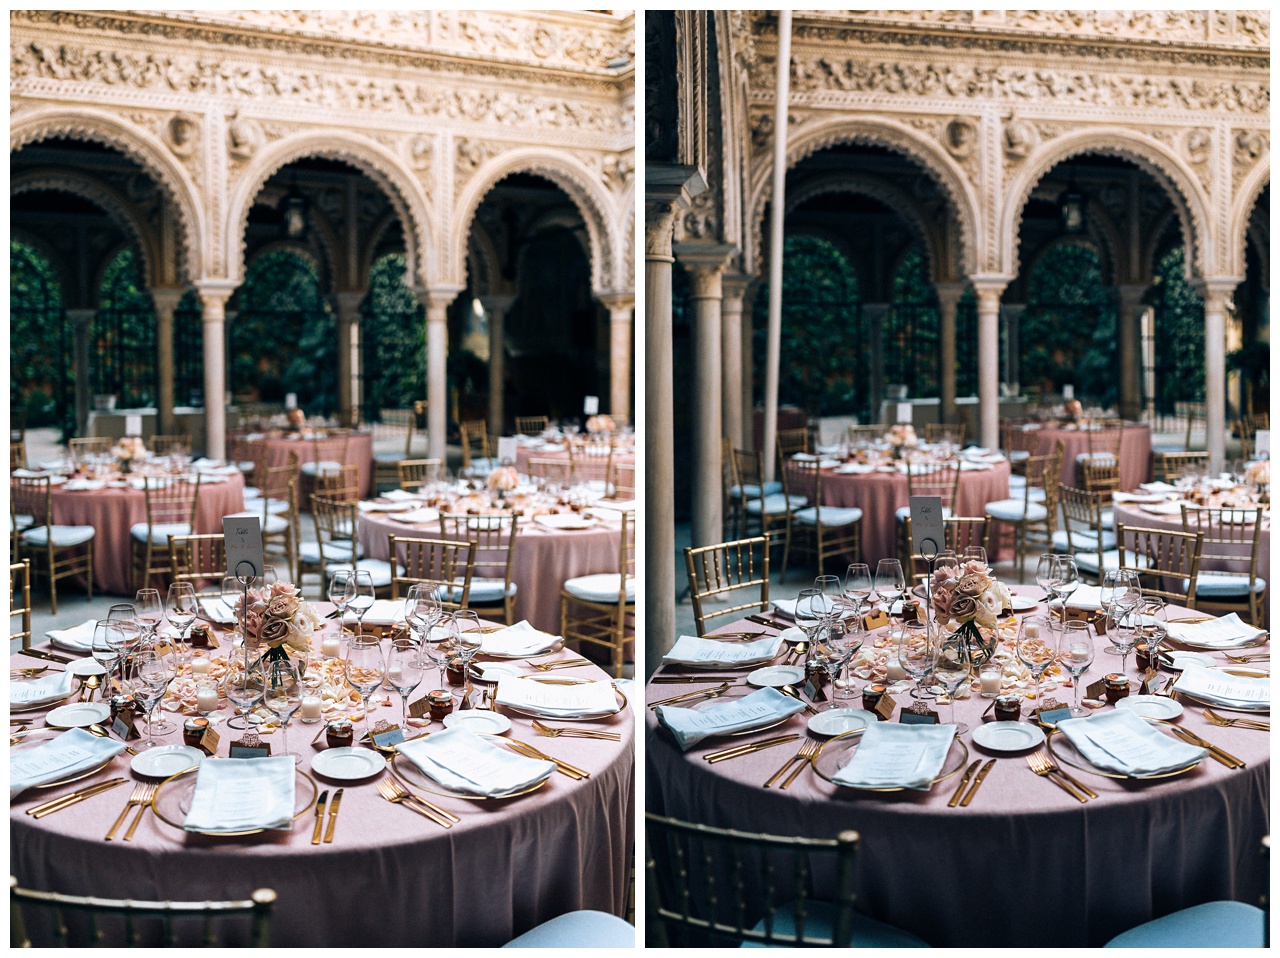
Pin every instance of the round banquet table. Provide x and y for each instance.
(359, 454)
(1025, 864)
(1130, 514)
(526, 451)
(880, 494)
(1135, 452)
(390, 877)
(112, 511)
(543, 558)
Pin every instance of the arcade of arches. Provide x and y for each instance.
(360, 209)
(925, 165)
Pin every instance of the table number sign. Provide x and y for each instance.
(507, 449)
(905, 414)
(928, 530)
(243, 535)
(123, 726)
(1068, 391)
(918, 714)
(590, 405)
(249, 747)
(133, 425)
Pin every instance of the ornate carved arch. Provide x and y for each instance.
(1251, 188)
(900, 138)
(371, 158)
(1149, 155)
(483, 259)
(624, 269)
(97, 126)
(583, 187)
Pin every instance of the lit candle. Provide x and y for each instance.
(206, 698)
(990, 679)
(894, 671)
(311, 705)
(330, 647)
(1031, 630)
(200, 665)
(394, 674)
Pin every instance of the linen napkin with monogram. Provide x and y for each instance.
(1228, 632)
(240, 794)
(691, 726)
(78, 638)
(890, 755)
(466, 762)
(1121, 741)
(567, 700)
(48, 688)
(517, 640)
(714, 654)
(71, 752)
(1222, 688)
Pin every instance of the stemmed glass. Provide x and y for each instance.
(342, 589)
(108, 648)
(857, 586)
(1034, 649)
(404, 671)
(282, 692)
(362, 601)
(809, 612)
(1154, 617)
(435, 645)
(464, 629)
(1127, 631)
(168, 659)
(829, 586)
(149, 610)
(1075, 654)
(365, 669)
(1121, 594)
(952, 669)
(842, 641)
(917, 654)
(1066, 579)
(890, 582)
(122, 616)
(151, 676)
(975, 553)
(422, 607)
(181, 613)
(243, 689)
(1045, 576)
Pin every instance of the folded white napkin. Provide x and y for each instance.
(213, 478)
(28, 474)
(1087, 597)
(691, 726)
(970, 466)
(563, 520)
(1137, 497)
(1162, 508)
(712, 653)
(218, 610)
(891, 755)
(617, 505)
(855, 469)
(466, 762)
(1227, 632)
(1222, 688)
(567, 700)
(73, 751)
(787, 608)
(51, 687)
(971, 452)
(239, 794)
(400, 495)
(517, 640)
(84, 485)
(822, 461)
(385, 612)
(1122, 741)
(78, 638)
(417, 516)
(1157, 487)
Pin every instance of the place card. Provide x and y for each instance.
(243, 535)
(384, 736)
(123, 727)
(507, 449)
(918, 714)
(815, 685)
(249, 747)
(1051, 713)
(209, 742)
(133, 425)
(1096, 690)
(904, 414)
(419, 708)
(877, 620)
(884, 708)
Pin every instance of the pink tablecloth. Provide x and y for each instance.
(390, 877)
(525, 453)
(1135, 453)
(880, 494)
(113, 511)
(1132, 514)
(1001, 872)
(543, 559)
(359, 454)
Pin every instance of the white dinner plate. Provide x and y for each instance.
(78, 715)
(86, 667)
(1008, 736)
(839, 721)
(492, 671)
(776, 676)
(480, 721)
(792, 634)
(1151, 706)
(348, 764)
(165, 760)
(1022, 603)
(1181, 660)
(565, 520)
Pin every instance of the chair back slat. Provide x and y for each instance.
(438, 562)
(531, 425)
(415, 473)
(724, 568)
(1158, 555)
(199, 559)
(20, 601)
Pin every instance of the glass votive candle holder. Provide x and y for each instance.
(206, 695)
(989, 680)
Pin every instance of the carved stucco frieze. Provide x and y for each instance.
(618, 170)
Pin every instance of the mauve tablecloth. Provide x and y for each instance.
(1135, 453)
(524, 453)
(113, 511)
(359, 454)
(1131, 514)
(1025, 864)
(390, 877)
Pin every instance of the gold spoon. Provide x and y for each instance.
(91, 684)
(101, 732)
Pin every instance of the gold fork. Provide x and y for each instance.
(135, 798)
(1039, 763)
(398, 787)
(800, 756)
(524, 748)
(561, 664)
(807, 751)
(388, 791)
(1225, 722)
(554, 732)
(1245, 659)
(148, 795)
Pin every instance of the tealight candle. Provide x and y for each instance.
(894, 671)
(330, 646)
(311, 706)
(1031, 630)
(990, 681)
(206, 698)
(200, 665)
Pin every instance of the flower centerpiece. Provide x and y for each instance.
(967, 599)
(279, 619)
(129, 450)
(598, 424)
(502, 480)
(901, 437)
(1258, 475)
(296, 419)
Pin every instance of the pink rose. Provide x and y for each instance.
(275, 632)
(971, 585)
(963, 607)
(283, 606)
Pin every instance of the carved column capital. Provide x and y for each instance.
(667, 190)
(949, 294)
(705, 263)
(1217, 292)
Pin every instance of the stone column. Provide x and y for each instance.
(1011, 313)
(948, 296)
(989, 290)
(621, 307)
(436, 301)
(705, 264)
(82, 325)
(734, 287)
(1216, 294)
(874, 315)
(495, 311)
(213, 302)
(165, 301)
(749, 365)
(1129, 307)
(347, 310)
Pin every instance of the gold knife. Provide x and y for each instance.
(333, 815)
(315, 832)
(737, 750)
(1226, 758)
(973, 789)
(968, 774)
(48, 808)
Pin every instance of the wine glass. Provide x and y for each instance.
(148, 610)
(362, 601)
(1154, 616)
(404, 671)
(857, 586)
(975, 553)
(809, 612)
(1121, 593)
(422, 607)
(435, 645)
(108, 648)
(1066, 579)
(1075, 654)
(342, 589)
(464, 629)
(244, 689)
(917, 654)
(829, 586)
(182, 609)
(168, 657)
(851, 634)
(1128, 630)
(890, 582)
(1034, 649)
(365, 669)
(282, 692)
(953, 668)
(1045, 576)
(151, 676)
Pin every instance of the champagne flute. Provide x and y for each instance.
(952, 669)
(365, 669)
(243, 688)
(857, 586)
(362, 601)
(404, 671)
(149, 610)
(890, 582)
(181, 613)
(464, 629)
(282, 692)
(1075, 654)
(1034, 650)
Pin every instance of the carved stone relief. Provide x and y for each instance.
(182, 134)
(1019, 139)
(244, 137)
(1248, 146)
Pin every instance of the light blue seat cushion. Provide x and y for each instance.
(752, 491)
(483, 591)
(1015, 510)
(578, 929)
(602, 587)
(338, 550)
(379, 570)
(831, 516)
(388, 457)
(273, 525)
(1084, 541)
(1215, 924)
(160, 532)
(819, 919)
(324, 465)
(1018, 489)
(1220, 585)
(775, 505)
(62, 536)
(274, 506)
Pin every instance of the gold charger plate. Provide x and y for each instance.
(49, 704)
(37, 737)
(417, 778)
(1060, 747)
(836, 751)
(565, 680)
(174, 790)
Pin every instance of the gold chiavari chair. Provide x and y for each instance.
(724, 568)
(1099, 466)
(392, 425)
(170, 444)
(592, 463)
(20, 601)
(1085, 534)
(200, 559)
(63, 551)
(1159, 555)
(531, 425)
(792, 441)
(825, 532)
(443, 563)
(1167, 466)
(171, 511)
(17, 455)
(945, 432)
(89, 446)
(1024, 513)
(622, 480)
(342, 484)
(278, 511)
(336, 548)
(772, 511)
(926, 478)
(477, 452)
(870, 432)
(555, 470)
(493, 539)
(413, 474)
(600, 609)
(327, 453)
(1232, 539)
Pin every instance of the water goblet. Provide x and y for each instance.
(809, 612)
(1075, 654)
(850, 634)
(890, 582)
(151, 676)
(975, 554)
(1128, 631)
(464, 629)
(953, 668)
(282, 692)
(342, 589)
(181, 612)
(1034, 647)
(243, 688)
(917, 652)
(108, 647)
(149, 610)
(365, 668)
(363, 599)
(857, 586)
(404, 671)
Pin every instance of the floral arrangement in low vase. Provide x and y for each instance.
(1258, 475)
(502, 480)
(127, 450)
(967, 599)
(601, 423)
(901, 437)
(278, 620)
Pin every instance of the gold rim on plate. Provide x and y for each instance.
(957, 756)
(1070, 756)
(415, 777)
(76, 776)
(172, 784)
(566, 680)
(1244, 671)
(52, 703)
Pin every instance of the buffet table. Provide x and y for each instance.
(1135, 452)
(390, 877)
(1025, 864)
